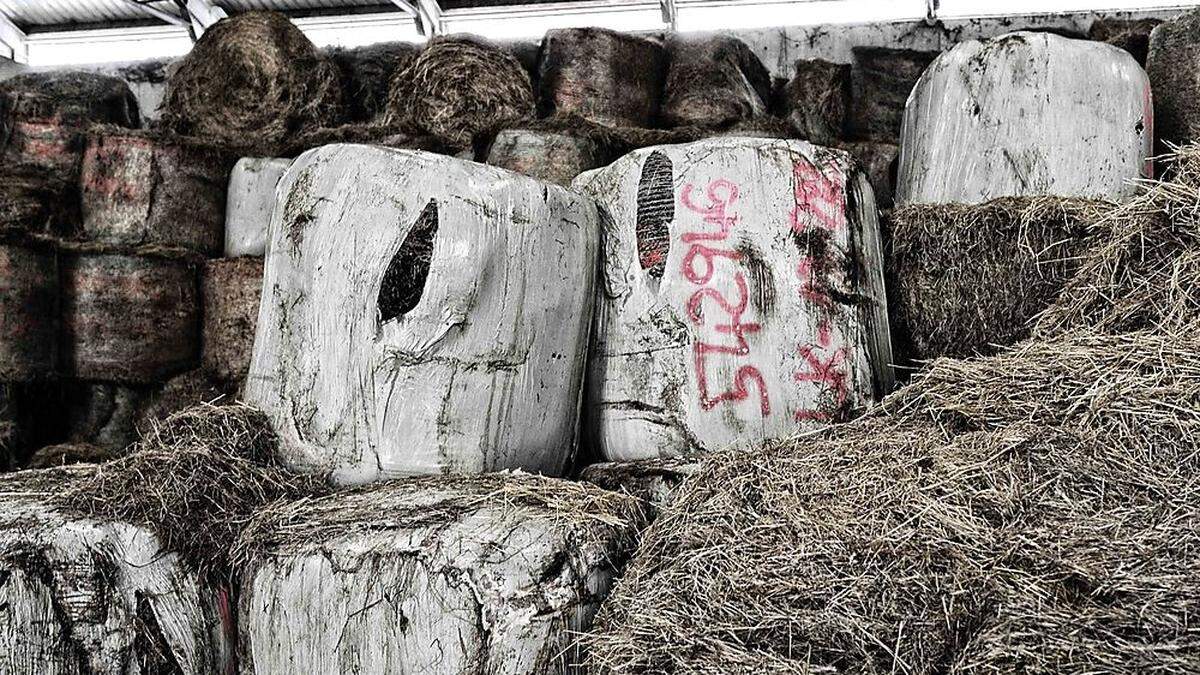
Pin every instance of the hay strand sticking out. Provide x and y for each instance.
(458, 87)
(252, 80)
(195, 479)
(970, 277)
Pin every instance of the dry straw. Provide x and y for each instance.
(967, 278)
(1035, 511)
(252, 80)
(457, 88)
(196, 479)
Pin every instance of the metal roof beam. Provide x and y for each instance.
(203, 14)
(162, 14)
(426, 13)
(669, 13)
(12, 40)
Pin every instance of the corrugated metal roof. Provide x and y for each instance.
(30, 14)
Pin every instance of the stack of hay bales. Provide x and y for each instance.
(743, 296)
(1034, 511)
(713, 82)
(454, 342)
(1005, 154)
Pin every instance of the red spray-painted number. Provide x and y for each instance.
(699, 264)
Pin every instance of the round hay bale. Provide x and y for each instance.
(967, 279)
(151, 188)
(63, 454)
(713, 81)
(552, 157)
(611, 78)
(816, 99)
(128, 318)
(252, 79)
(230, 288)
(28, 313)
(366, 75)
(42, 116)
(458, 87)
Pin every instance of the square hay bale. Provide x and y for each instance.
(743, 296)
(95, 595)
(713, 81)
(1173, 66)
(230, 291)
(611, 78)
(423, 314)
(129, 318)
(816, 99)
(881, 79)
(141, 187)
(1132, 35)
(457, 575)
(28, 312)
(1026, 114)
(546, 155)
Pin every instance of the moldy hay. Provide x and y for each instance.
(253, 79)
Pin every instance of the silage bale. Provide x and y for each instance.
(230, 289)
(28, 312)
(546, 155)
(881, 79)
(611, 78)
(252, 80)
(128, 318)
(249, 201)
(96, 594)
(1132, 35)
(713, 81)
(968, 278)
(816, 99)
(743, 296)
(430, 314)
(483, 574)
(980, 124)
(1173, 65)
(366, 75)
(43, 115)
(459, 87)
(150, 188)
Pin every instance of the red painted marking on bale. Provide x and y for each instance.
(828, 372)
(702, 244)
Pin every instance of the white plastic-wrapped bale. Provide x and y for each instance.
(456, 575)
(1026, 114)
(89, 596)
(742, 296)
(423, 314)
(249, 202)
(554, 157)
(140, 187)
